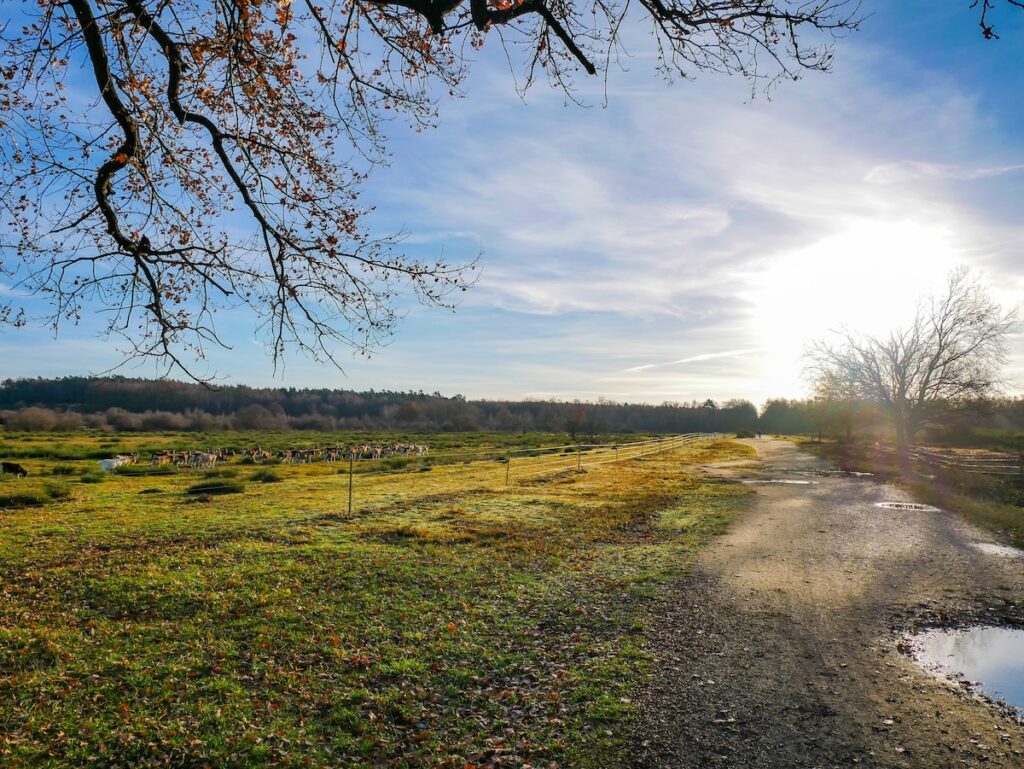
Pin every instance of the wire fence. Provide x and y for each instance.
(991, 463)
(987, 463)
(528, 463)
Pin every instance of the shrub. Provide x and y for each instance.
(33, 419)
(266, 476)
(69, 421)
(18, 499)
(93, 476)
(155, 421)
(216, 486)
(57, 490)
(63, 470)
(744, 434)
(123, 421)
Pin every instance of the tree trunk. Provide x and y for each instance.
(904, 437)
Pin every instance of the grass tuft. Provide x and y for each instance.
(266, 476)
(216, 486)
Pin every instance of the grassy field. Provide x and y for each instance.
(446, 623)
(84, 445)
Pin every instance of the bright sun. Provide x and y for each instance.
(867, 277)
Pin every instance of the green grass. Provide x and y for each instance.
(266, 475)
(1004, 519)
(13, 497)
(216, 485)
(447, 622)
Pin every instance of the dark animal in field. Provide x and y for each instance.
(13, 468)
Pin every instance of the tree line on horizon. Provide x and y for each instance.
(138, 405)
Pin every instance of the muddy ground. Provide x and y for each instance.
(782, 647)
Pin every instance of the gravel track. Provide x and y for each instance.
(780, 649)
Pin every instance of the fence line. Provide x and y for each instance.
(607, 452)
(546, 460)
(517, 468)
(992, 463)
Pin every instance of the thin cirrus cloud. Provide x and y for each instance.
(684, 225)
(691, 359)
(897, 173)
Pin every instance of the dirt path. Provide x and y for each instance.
(780, 649)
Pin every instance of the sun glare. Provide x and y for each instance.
(867, 277)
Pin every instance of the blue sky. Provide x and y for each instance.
(684, 241)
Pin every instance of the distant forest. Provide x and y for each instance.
(142, 405)
(996, 423)
(116, 403)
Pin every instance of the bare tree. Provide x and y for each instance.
(162, 160)
(950, 353)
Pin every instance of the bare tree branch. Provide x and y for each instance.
(951, 353)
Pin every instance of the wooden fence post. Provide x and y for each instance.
(579, 457)
(508, 468)
(351, 461)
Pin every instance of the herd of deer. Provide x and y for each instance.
(207, 459)
(201, 459)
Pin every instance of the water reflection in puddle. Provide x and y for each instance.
(833, 473)
(1005, 551)
(990, 657)
(907, 506)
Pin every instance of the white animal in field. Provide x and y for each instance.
(113, 463)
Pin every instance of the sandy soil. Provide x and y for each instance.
(781, 647)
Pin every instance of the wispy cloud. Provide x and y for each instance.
(897, 173)
(7, 290)
(692, 359)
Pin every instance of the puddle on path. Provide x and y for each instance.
(907, 506)
(835, 473)
(777, 480)
(991, 658)
(1005, 551)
